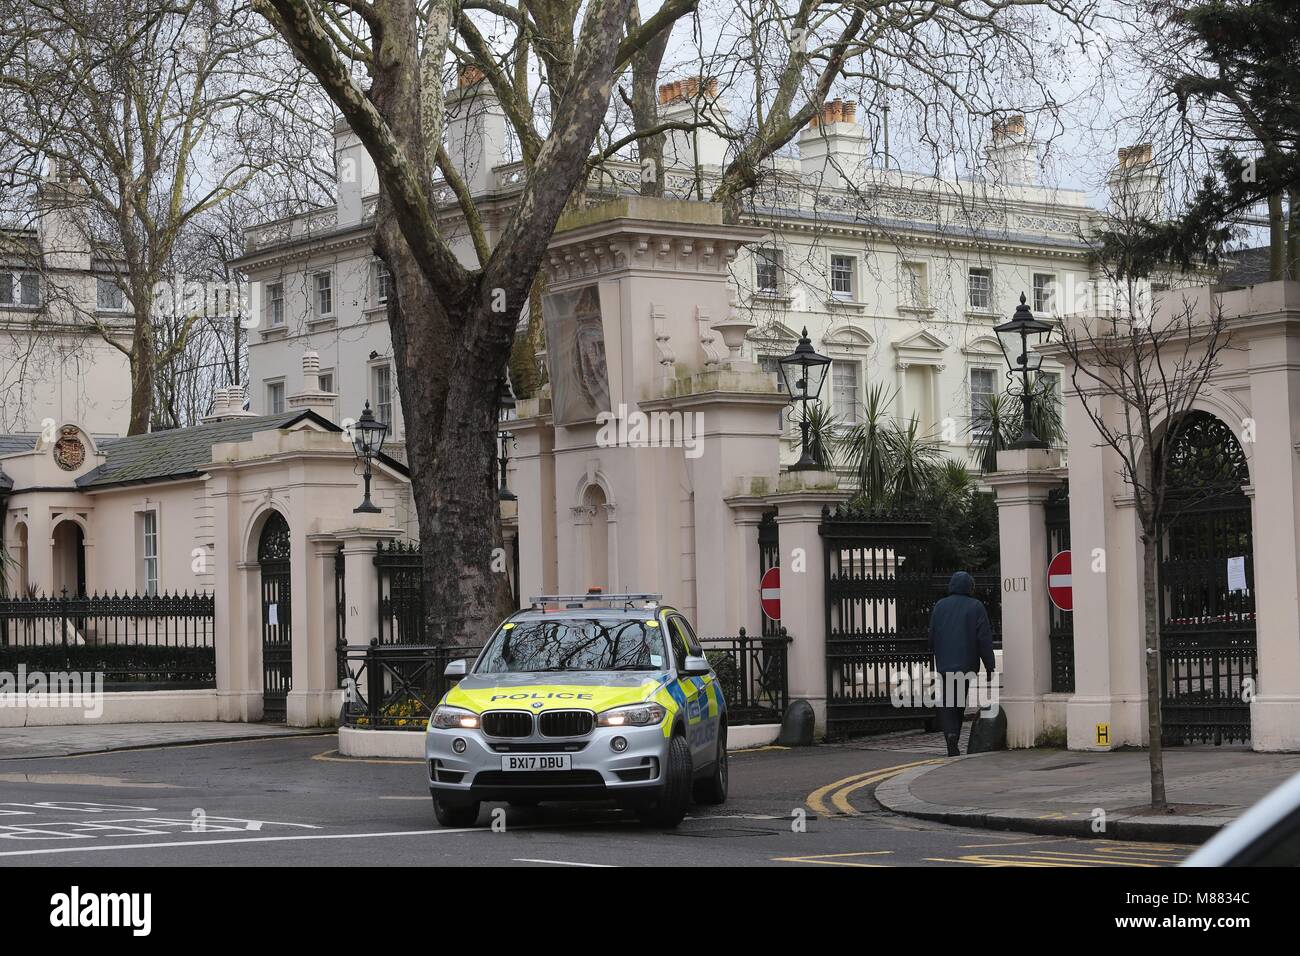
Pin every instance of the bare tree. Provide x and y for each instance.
(552, 65)
(149, 114)
(1138, 363)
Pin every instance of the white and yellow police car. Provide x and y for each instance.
(582, 697)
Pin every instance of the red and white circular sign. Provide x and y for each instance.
(769, 593)
(1059, 588)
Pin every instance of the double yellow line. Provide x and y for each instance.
(841, 790)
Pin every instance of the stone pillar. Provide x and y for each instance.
(1275, 476)
(743, 604)
(1022, 482)
(533, 480)
(361, 580)
(800, 498)
(235, 585)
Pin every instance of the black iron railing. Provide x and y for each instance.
(135, 641)
(396, 686)
(753, 675)
(400, 567)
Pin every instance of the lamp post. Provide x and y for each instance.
(367, 439)
(803, 372)
(1014, 336)
(505, 407)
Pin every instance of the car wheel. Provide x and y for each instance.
(669, 809)
(455, 814)
(712, 790)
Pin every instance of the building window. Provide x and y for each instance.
(844, 391)
(326, 381)
(982, 389)
(842, 277)
(916, 291)
(979, 289)
(275, 304)
(382, 377)
(149, 552)
(324, 294)
(275, 398)
(772, 365)
(20, 288)
(1044, 292)
(767, 271)
(381, 282)
(108, 296)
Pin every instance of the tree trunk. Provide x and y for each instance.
(1276, 239)
(143, 371)
(1151, 628)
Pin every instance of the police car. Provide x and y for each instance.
(582, 697)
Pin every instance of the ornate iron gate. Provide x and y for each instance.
(277, 626)
(769, 556)
(879, 592)
(1207, 628)
(1060, 634)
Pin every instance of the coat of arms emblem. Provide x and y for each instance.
(69, 452)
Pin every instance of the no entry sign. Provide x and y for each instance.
(1059, 588)
(769, 593)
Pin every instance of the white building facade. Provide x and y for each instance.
(899, 277)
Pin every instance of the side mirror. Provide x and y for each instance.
(695, 666)
(456, 669)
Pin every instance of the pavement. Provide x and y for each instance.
(17, 743)
(1086, 794)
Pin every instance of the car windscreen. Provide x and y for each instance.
(574, 644)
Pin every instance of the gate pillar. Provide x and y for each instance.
(1022, 482)
(799, 502)
(1275, 475)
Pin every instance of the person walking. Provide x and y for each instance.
(960, 638)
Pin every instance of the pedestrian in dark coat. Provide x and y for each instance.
(961, 639)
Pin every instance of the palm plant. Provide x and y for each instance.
(823, 427)
(999, 423)
(867, 448)
(994, 426)
(915, 459)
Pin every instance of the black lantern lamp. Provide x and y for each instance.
(803, 372)
(1018, 336)
(505, 411)
(367, 439)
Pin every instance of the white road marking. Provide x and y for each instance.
(267, 839)
(524, 859)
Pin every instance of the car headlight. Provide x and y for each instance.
(632, 715)
(453, 718)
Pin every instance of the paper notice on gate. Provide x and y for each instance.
(273, 615)
(1237, 573)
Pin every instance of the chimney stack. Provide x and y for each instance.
(1013, 156)
(1136, 184)
(476, 130)
(693, 99)
(832, 147)
(310, 397)
(355, 174)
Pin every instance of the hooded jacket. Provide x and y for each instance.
(960, 634)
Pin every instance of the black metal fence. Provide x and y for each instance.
(396, 686)
(400, 575)
(880, 587)
(752, 673)
(137, 642)
(1060, 634)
